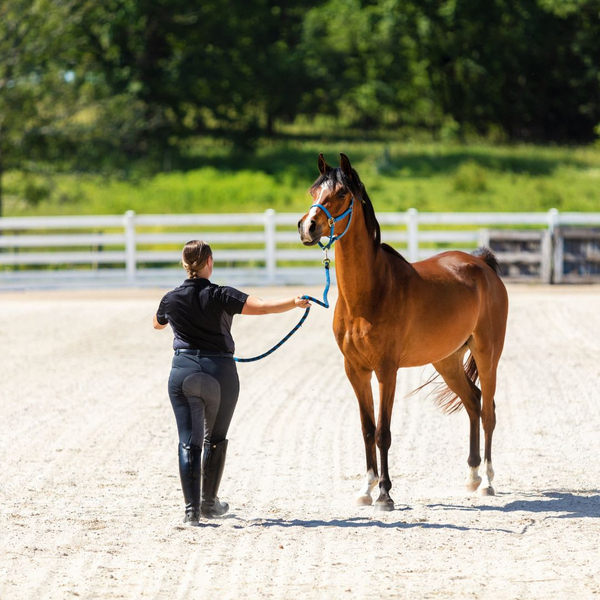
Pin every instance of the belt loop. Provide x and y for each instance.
(177, 352)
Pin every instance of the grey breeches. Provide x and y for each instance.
(203, 392)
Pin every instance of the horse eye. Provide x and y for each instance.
(341, 194)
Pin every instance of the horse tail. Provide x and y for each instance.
(489, 258)
(442, 395)
(445, 398)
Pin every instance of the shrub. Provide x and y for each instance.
(470, 177)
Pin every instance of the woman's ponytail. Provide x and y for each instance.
(194, 257)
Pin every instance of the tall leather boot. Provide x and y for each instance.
(213, 463)
(190, 471)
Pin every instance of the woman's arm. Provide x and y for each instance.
(156, 324)
(258, 306)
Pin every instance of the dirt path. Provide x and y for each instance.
(90, 503)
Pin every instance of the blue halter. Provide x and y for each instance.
(332, 221)
(325, 302)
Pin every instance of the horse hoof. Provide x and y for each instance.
(487, 491)
(473, 485)
(385, 506)
(365, 500)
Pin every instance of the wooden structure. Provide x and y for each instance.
(264, 248)
(576, 255)
(524, 255)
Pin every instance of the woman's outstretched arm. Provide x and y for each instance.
(257, 306)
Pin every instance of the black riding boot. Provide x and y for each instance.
(213, 463)
(190, 471)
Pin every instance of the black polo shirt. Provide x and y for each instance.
(200, 314)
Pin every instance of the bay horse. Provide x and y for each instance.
(392, 314)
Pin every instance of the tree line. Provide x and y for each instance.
(87, 84)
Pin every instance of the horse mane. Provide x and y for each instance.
(358, 190)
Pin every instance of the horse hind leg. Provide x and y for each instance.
(486, 345)
(487, 378)
(453, 373)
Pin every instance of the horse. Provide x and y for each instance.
(392, 314)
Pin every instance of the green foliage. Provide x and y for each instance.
(124, 88)
(470, 178)
(430, 177)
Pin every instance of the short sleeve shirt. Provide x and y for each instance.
(200, 314)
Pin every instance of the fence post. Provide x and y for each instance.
(130, 261)
(557, 268)
(559, 257)
(412, 228)
(270, 245)
(546, 262)
(553, 219)
(483, 238)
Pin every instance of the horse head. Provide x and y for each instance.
(332, 195)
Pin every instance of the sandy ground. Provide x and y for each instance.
(90, 504)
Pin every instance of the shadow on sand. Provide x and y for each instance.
(566, 505)
(364, 522)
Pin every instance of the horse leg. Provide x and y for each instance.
(487, 357)
(383, 436)
(453, 373)
(487, 378)
(360, 379)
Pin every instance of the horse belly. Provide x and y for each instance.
(430, 352)
(437, 335)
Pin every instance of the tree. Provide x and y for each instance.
(527, 66)
(33, 90)
(365, 61)
(192, 68)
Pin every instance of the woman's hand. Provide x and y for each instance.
(301, 302)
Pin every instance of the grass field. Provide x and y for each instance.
(429, 177)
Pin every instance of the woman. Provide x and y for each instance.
(204, 385)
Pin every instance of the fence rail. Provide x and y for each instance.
(257, 248)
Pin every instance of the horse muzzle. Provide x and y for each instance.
(310, 231)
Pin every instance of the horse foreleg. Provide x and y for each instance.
(383, 437)
(360, 380)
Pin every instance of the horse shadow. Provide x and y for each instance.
(565, 505)
(360, 523)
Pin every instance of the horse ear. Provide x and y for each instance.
(345, 165)
(323, 166)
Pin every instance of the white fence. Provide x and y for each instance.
(250, 249)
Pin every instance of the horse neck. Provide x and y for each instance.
(356, 261)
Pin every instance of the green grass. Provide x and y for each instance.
(429, 177)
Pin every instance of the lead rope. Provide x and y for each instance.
(324, 304)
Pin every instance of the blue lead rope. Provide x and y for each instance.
(324, 304)
(325, 247)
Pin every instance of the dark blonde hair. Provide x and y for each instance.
(194, 257)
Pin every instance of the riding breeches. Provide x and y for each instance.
(203, 392)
